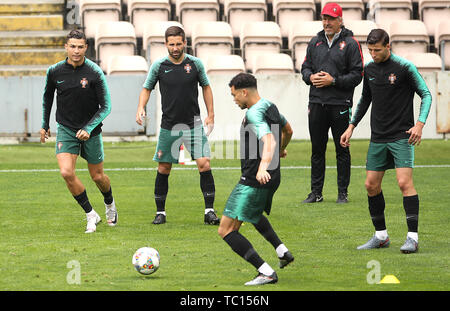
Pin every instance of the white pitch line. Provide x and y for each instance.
(195, 168)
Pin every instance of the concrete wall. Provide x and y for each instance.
(288, 92)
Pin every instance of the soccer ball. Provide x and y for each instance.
(146, 260)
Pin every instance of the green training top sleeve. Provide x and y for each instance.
(47, 99)
(152, 77)
(103, 96)
(363, 104)
(202, 77)
(420, 87)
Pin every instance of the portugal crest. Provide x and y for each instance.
(84, 82)
(188, 68)
(342, 45)
(392, 78)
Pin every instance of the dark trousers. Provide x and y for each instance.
(321, 118)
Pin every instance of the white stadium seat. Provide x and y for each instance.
(126, 65)
(94, 12)
(432, 12)
(114, 38)
(212, 38)
(273, 64)
(225, 64)
(257, 38)
(383, 12)
(190, 12)
(408, 36)
(143, 11)
(288, 12)
(425, 62)
(238, 12)
(442, 42)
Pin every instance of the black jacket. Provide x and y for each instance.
(343, 61)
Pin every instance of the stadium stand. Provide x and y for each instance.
(432, 12)
(425, 62)
(383, 12)
(408, 36)
(225, 64)
(442, 43)
(257, 38)
(351, 9)
(288, 12)
(94, 12)
(154, 41)
(140, 12)
(114, 38)
(361, 29)
(273, 63)
(32, 36)
(212, 38)
(127, 64)
(238, 12)
(299, 36)
(190, 12)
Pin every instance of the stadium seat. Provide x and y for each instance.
(238, 12)
(442, 42)
(225, 64)
(153, 41)
(408, 36)
(351, 9)
(299, 36)
(273, 63)
(425, 62)
(288, 12)
(383, 12)
(257, 38)
(94, 12)
(189, 12)
(432, 12)
(126, 65)
(212, 38)
(143, 11)
(114, 38)
(361, 30)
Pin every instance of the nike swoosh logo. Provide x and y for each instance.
(371, 79)
(342, 112)
(166, 71)
(59, 82)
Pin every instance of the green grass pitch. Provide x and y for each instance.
(42, 227)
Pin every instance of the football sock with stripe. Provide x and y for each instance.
(161, 189)
(241, 246)
(208, 189)
(83, 200)
(411, 206)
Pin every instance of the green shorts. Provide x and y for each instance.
(91, 150)
(169, 142)
(247, 203)
(384, 156)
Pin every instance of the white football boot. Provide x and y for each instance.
(92, 220)
(111, 214)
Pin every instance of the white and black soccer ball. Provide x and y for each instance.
(146, 260)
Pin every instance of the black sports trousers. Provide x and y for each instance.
(321, 118)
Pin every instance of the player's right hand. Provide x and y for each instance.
(44, 135)
(140, 115)
(345, 137)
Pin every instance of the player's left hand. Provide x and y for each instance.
(322, 79)
(263, 177)
(415, 134)
(82, 135)
(283, 153)
(209, 123)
